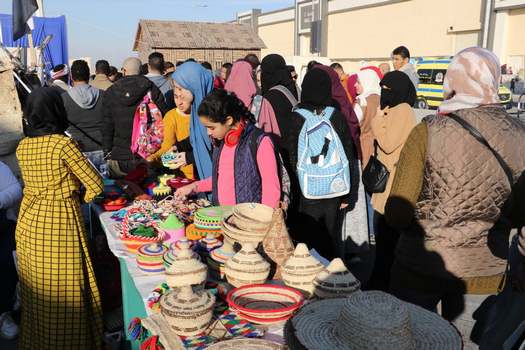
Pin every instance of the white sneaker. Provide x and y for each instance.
(8, 327)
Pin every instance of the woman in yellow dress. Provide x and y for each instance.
(60, 300)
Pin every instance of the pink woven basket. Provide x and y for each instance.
(265, 303)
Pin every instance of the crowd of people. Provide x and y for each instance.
(434, 203)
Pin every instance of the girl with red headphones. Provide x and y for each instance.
(245, 166)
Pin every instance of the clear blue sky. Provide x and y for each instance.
(106, 28)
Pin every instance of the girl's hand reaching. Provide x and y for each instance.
(183, 192)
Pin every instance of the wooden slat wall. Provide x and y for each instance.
(215, 56)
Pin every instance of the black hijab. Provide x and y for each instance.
(316, 90)
(44, 113)
(275, 72)
(400, 90)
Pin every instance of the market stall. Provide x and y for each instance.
(201, 277)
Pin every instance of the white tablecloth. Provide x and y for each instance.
(145, 283)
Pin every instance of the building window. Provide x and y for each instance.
(308, 12)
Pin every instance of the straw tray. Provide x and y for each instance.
(265, 303)
(246, 344)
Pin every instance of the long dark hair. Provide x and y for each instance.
(221, 104)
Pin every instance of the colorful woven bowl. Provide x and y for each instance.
(149, 258)
(265, 303)
(209, 218)
(194, 234)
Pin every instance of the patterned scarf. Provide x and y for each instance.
(472, 80)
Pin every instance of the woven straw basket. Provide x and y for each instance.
(246, 344)
(277, 244)
(246, 267)
(300, 270)
(186, 270)
(187, 312)
(335, 281)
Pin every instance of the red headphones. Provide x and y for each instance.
(233, 136)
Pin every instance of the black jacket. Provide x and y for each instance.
(85, 121)
(120, 102)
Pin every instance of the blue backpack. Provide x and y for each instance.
(322, 166)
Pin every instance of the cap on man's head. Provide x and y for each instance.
(132, 66)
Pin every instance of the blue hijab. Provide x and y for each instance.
(195, 78)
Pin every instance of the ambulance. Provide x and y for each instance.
(430, 91)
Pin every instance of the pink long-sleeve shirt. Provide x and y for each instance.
(267, 164)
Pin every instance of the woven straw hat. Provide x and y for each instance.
(300, 270)
(185, 270)
(246, 344)
(371, 320)
(335, 281)
(187, 312)
(246, 267)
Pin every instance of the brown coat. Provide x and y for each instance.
(101, 82)
(464, 189)
(367, 136)
(391, 128)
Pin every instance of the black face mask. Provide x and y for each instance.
(400, 90)
(387, 98)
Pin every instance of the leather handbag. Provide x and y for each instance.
(375, 174)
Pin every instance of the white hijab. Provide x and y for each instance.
(369, 80)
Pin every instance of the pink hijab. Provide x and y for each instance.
(241, 82)
(472, 80)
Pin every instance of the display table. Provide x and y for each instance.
(136, 285)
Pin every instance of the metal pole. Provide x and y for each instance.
(40, 11)
(21, 82)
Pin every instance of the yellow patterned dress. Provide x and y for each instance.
(60, 300)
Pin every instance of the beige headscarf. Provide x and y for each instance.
(472, 80)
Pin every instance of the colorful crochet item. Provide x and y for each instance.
(238, 327)
(132, 235)
(208, 218)
(143, 231)
(153, 300)
(198, 342)
(136, 331)
(152, 343)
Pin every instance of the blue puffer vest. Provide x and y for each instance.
(248, 184)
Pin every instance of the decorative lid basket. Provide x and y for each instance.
(335, 281)
(172, 254)
(300, 270)
(265, 303)
(187, 312)
(246, 267)
(149, 258)
(172, 228)
(209, 243)
(186, 270)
